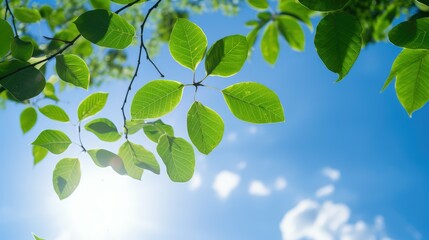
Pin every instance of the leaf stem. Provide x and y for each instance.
(141, 48)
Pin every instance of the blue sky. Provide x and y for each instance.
(355, 165)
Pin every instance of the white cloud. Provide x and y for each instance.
(225, 182)
(253, 130)
(280, 184)
(325, 191)
(257, 188)
(241, 165)
(328, 221)
(195, 182)
(232, 137)
(331, 173)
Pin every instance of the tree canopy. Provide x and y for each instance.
(89, 41)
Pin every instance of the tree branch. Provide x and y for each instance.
(80, 139)
(142, 46)
(59, 51)
(13, 17)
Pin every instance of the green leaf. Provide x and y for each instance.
(297, 11)
(258, 4)
(45, 11)
(227, 56)
(27, 15)
(36, 237)
(24, 84)
(49, 92)
(270, 47)
(28, 119)
(73, 69)
(104, 158)
(141, 157)
(53, 140)
(325, 5)
(127, 155)
(39, 154)
(178, 156)
(411, 69)
(100, 4)
(156, 99)
(66, 177)
(91, 105)
(411, 34)
(124, 1)
(188, 43)
(292, 32)
(55, 113)
(154, 130)
(104, 129)
(105, 29)
(21, 49)
(6, 37)
(253, 102)
(205, 127)
(135, 125)
(338, 42)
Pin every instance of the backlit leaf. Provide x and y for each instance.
(104, 129)
(104, 158)
(39, 153)
(411, 34)
(154, 130)
(127, 155)
(259, 4)
(156, 99)
(21, 49)
(6, 37)
(91, 105)
(55, 113)
(178, 156)
(292, 32)
(73, 69)
(141, 157)
(253, 102)
(66, 177)
(28, 119)
(270, 43)
(27, 15)
(53, 140)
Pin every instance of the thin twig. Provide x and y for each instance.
(56, 39)
(142, 46)
(80, 139)
(59, 51)
(13, 17)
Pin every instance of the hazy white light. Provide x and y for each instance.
(225, 182)
(257, 188)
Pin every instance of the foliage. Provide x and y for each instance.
(88, 45)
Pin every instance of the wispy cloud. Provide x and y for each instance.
(280, 183)
(327, 221)
(325, 191)
(195, 182)
(331, 173)
(225, 182)
(257, 188)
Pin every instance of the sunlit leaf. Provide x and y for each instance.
(135, 125)
(296, 10)
(154, 130)
(178, 156)
(104, 158)
(36, 237)
(100, 4)
(127, 155)
(49, 91)
(141, 157)
(53, 140)
(253, 102)
(258, 4)
(205, 127)
(39, 153)
(91, 105)
(338, 42)
(73, 69)
(270, 47)
(28, 119)
(188, 43)
(66, 177)
(292, 32)
(411, 69)
(55, 113)
(104, 129)
(156, 99)
(105, 29)
(25, 83)
(227, 56)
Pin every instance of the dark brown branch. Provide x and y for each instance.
(142, 46)
(13, 17)
(59, 51)
(56, 39)
(80, 139)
